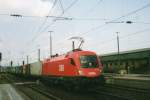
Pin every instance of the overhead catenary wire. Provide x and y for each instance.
(142, 22)
(89, 19)
(129, 22)
(23, 16)
(41, 26)
(65, 10)
(82, 19)
(55, 19)
(47, 16)
(112, 50)
(126, 35)
(61, 6)
(4, 14)
(102, 25)
(133, 12)
(93, 7)
(60, 16)
(128, 14)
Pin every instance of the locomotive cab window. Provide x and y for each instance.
(72, 62)
(89, 61)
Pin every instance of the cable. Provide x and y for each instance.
(100, 26)
(122, 37)
(128, 22)
(4, 14)
(74, 2)
(127, 35)
(48, 15)
(133, 12)
(128, 14)
(142, 22)
(92, 9)
(88, 19)
(19, 15)
(55, 20)
(135, 33)
(61, 6)
(41, 26)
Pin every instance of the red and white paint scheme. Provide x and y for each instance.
(77, 63)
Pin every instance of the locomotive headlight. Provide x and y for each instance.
(80, 72)
(100, 70)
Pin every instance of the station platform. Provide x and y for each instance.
(8, 92)
(142, 77)
(141, 81)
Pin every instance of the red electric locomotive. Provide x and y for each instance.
(76, 68)
(77, 63)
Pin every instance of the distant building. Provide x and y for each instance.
(134, 61)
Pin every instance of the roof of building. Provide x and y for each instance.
(127, 52)
(127, 55)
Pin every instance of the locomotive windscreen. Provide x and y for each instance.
(89, 61)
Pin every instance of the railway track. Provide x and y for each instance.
(45, 92)
(30, 90)
(36, 92)
(6, 78)
(106, 92)
(133, 89)
(110, 96)
(116, 92)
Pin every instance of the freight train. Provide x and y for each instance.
(77, 67)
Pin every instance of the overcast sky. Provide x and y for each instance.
(97, 21)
